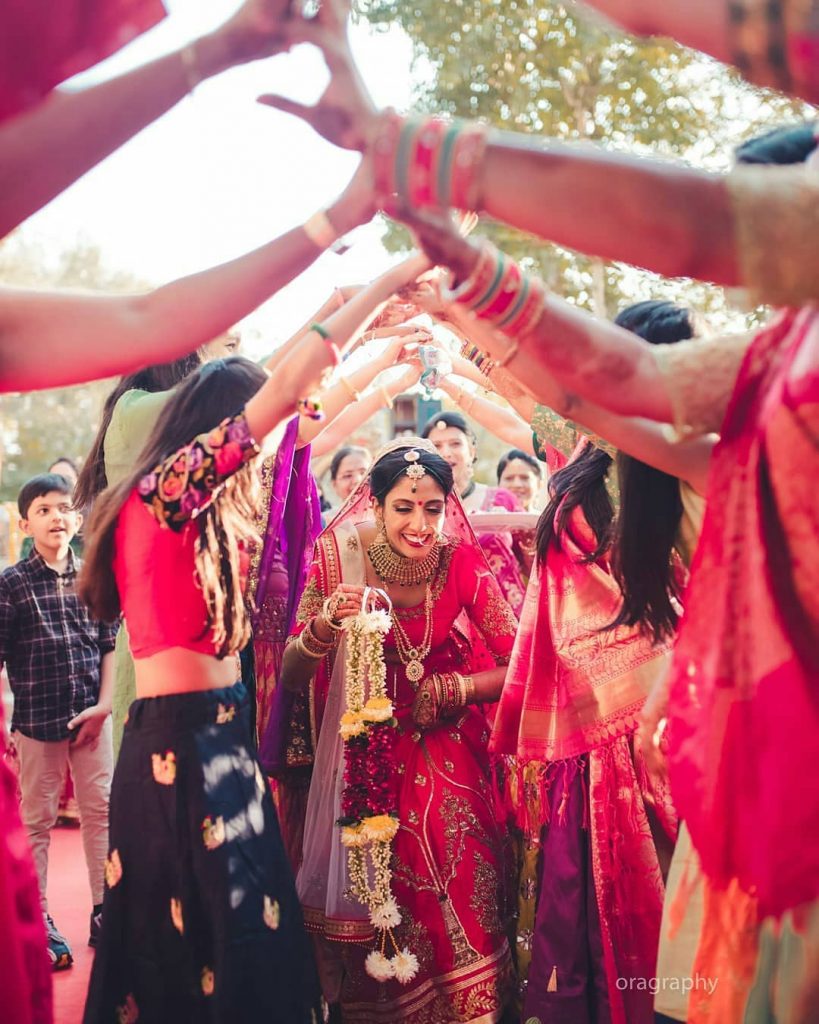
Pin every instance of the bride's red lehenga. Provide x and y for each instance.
(448, 862)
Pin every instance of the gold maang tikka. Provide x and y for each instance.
(415, 471)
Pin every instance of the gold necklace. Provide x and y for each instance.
(390, 567)
(413, 657)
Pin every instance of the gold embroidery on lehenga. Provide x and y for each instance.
(260, 524)
(113, 869)
(311, 601)
(207, 981)
(486, 896)
(415, 936)
(496, 617)
(271, 913)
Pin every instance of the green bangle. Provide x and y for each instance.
(320, 330)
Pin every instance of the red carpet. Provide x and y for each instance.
(69, 902)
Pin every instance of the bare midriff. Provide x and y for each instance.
(179, 670)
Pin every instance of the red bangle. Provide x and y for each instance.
(428, 161)
(422, 180)
(467, 159)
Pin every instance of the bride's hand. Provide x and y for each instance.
(343, 603)
(425, 704)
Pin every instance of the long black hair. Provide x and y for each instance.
(650, 506)
(580, 483)
(217, 390)
(92, 479)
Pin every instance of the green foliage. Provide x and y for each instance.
(530, 66)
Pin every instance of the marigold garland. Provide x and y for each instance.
(369, 816)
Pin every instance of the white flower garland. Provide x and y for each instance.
(369, 840)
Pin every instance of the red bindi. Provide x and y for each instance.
(420, 504)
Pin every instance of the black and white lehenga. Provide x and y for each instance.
(201, 922)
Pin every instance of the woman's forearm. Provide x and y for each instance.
(488, 685)
(670, 219)
(54, 339)
(346, 423)
(503, 423)
(342, 398)
(587, 358)
(332, 303)
(347, 324)
(297, 668)
(701, 24)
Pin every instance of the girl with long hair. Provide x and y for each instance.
(598, 828)
(128, 415)
(405, 533)
(200, 915)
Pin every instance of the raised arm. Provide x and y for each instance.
(503, 423)
(671, 219)
(346, 394)
(539, 337)
(297, 370)
(346, 423)
(702, 24)
(43, 151)
(52, 339)
(747, 33)
(674, 220)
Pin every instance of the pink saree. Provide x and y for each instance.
(581, 794)
(744, 727)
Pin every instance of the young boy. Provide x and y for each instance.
(60, 666)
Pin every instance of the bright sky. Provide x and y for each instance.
(220, 174)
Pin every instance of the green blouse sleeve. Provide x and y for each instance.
(134, 417)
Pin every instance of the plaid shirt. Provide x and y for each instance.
(50, 645)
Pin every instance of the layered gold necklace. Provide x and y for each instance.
(413, 656)
(390, 567)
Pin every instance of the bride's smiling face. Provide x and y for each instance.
(413, 515)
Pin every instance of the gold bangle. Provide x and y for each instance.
(190, 65)
(319, 229)
(304, 651)
(329, 621)
(351, 391)
(388, 401)
(315, 639)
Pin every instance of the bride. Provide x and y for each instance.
(405, 533)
